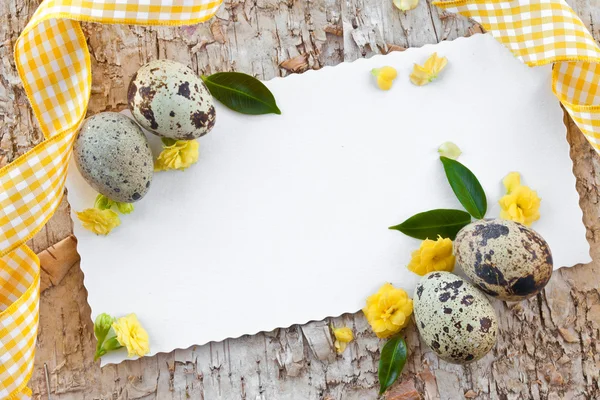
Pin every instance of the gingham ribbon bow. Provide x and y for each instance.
(54, 64)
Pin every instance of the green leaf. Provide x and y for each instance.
(391, 362)
(168, 141)
(124, 208)
(242, 93)
(466, 187)
(430, 224)
(111, 344)
(103, 203)
(102, 325)
(99, 353)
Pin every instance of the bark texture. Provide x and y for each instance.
(547, 348)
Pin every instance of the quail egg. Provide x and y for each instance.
(504, 259)
(170, 100)
(113, 156)
(455, 319)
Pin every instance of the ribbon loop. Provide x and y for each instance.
(540, 32)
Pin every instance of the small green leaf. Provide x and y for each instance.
(124, 208)
(430, 224)
(466, 187)
(99, 353)
(103, 203)
(111, 344)
(391, 362)
(168, 141)
(102, 325)
(242, 93)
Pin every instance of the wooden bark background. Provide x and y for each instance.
(548, 346)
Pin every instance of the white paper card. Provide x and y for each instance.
(285, 218)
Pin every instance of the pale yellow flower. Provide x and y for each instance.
(343, 336)
(406, 5)
(385, 77)
(388, 311)
(449, 150)
(179, 155)
(520, 204)
(101, 222)
(432, 255)
(422, 75)
(132, 335)
(511, 181)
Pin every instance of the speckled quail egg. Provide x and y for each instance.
(454, 318)
(503, 258)
(170, 100)
(113, 156)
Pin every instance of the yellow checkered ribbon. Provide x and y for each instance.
(54, 64)
(540, 32)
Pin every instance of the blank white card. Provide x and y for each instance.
(285, 219)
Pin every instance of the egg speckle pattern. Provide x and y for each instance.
(455, 320)
(504, 259)
(170, 100)
(113, 156)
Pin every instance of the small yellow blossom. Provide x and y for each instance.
(343, 336)
(406, 5)
(432, 255)
(388, 311)
(385, 77)
(179, 155)
(101, 222)
(422, 75)
(449, 150)
(132, 335)
(520, 204)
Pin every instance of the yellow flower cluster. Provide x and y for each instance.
(432, 255)
(388, 311)
(385, 77)
(101, 222)
(179, 155)
(422, 75)
(343, 336)
(520, 204)
(132, 335)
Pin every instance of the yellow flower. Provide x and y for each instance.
(520, 204)
(388, 311)
(511, 181)
(101, 222)
(385, 77)
(432, 255)
(406, 5)
(343, 336)
(179, 154)
(450, 150)
(422, 75)
(132, 335)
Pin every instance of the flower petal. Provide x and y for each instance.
(406, 5)
(449, 150)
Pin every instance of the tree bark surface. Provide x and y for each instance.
(548, 346)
